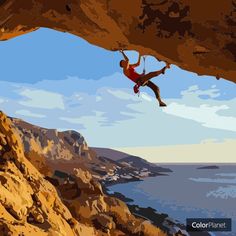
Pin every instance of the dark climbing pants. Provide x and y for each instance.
(145, 81)
(155, 89)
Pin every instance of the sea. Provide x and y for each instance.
(188, 192)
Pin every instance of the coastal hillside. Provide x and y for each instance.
(54, 152)
(130, 160)
(29, 204)
(47, 203)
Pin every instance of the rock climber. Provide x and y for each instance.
(142, 79)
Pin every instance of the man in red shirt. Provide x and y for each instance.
(142, 79)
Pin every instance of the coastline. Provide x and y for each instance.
(161, 220)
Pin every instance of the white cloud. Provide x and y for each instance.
(204, 114)
(98, 98)
(79, 97)
(193, 88)
(29, 114)
(146, 97)
(72, 120)
(114, 116)
(209, 113)
(211, 93)
(42, 99)
(89, 122)
(118, 93)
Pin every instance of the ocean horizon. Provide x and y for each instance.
(188, 192)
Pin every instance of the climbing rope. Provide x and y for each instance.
(138, 85)
(144, 65)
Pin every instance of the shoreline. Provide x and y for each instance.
(161, 220)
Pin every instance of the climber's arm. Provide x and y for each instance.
(138, 63)
(125, 57)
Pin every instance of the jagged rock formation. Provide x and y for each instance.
(54, 152)
(29, 204)
(50, 151)
(47, 148)
(34, 204)
(197, 36)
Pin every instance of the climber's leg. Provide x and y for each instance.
(145, 78)
(156, 90)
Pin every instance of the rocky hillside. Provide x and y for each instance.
(32, 203)
(128, 162)
(54, 152)
(194, 35)
(29, 204)
(122, 157)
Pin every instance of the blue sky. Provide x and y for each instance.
(58, 80)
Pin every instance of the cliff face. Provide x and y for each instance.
(66, 204)
(197, 36)
(50, 151)
(53, 152)
(29, 204)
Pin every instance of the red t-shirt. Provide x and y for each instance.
(133, 75)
